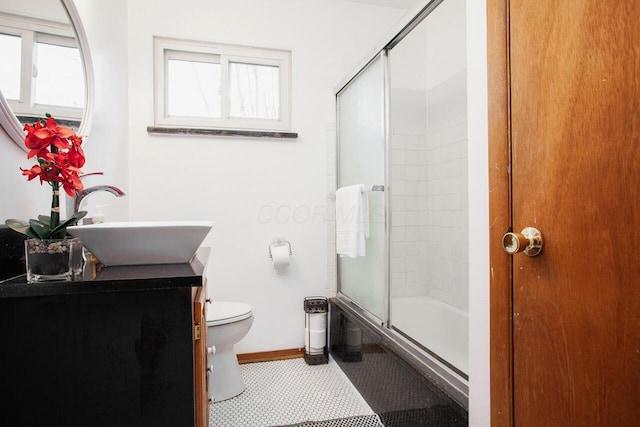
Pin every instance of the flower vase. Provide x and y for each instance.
(53, 259)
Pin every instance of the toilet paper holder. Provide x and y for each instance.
(280, 242)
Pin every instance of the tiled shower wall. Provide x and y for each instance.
(429, 202)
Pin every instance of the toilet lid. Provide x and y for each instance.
(220, 312)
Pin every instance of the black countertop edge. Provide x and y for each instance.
(115, 279)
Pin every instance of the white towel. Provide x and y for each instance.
(352, 220)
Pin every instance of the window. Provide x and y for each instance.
(41, 68)
(10, 46)
(58, 67)
(206, 85)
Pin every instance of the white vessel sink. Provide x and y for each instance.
(135, 243)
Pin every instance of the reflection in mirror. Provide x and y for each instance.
(46, 66)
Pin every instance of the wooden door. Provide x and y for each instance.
(566, 324)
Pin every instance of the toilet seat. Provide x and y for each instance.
(222, 313)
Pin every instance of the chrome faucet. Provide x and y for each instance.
(80, 195)
(73, 205)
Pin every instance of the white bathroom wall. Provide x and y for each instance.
(478, 164)
(106, 146)
(253, 189)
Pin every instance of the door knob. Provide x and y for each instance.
(529, 241)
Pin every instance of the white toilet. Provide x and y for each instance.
(227, 323)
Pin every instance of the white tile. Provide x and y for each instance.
(412, 142)
(412, 218)
(413, 203)
(413, 249)
(289, 392)
(399, 187)
(412, 188)
(397, 283)
(398, 234)
(413, 263)
(413, 234)
(398, 218)
(397, 157)
(398, 203)
(397, 265)
(397, 172)
(412, 157)
(414, 279)
(413, 172)
(424, 158)
(397, 249)
(442, 295)
(397, 140)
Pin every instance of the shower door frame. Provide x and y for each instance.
(416, 355)
(383, 322)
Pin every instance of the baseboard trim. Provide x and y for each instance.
(269, 356)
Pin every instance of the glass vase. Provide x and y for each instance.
(53, 259)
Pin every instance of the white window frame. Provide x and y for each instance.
(31, 31)
(165, 48)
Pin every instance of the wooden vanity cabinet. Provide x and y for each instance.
(127, 351)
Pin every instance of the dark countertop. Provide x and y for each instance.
(116, 347)
(108, 279)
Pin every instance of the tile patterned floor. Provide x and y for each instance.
(290, 392)
(361, 421)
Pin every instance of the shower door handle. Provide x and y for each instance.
(529, 241)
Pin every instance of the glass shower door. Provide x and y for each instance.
(361, 154)
(429, 264)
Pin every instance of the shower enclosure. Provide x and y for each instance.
(402, 124)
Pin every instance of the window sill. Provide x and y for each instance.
(222, 132)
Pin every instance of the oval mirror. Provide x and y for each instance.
(46, 66)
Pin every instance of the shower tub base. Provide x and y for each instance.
(425, 365)
(436, 327)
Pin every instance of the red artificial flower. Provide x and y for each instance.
(76, 156)
(54, 134)
(34, 172)
(72, 184)
(60, 156)
(59, 152)
(36, 145)
(75, 140)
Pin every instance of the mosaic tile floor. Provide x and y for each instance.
(290, 392)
